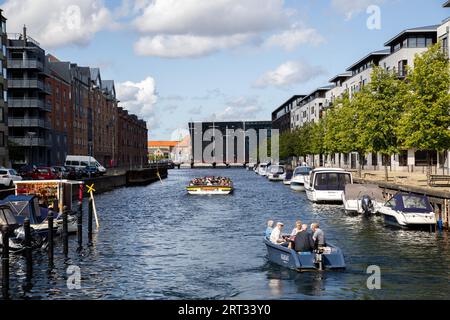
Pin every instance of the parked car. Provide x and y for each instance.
(44, 173)
(61, 172)
(74, 173)
(26, 172)
(84, 161)
(8, 176)
(92, 171)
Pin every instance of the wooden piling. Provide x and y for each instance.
(65, 235)
(90, 218)
(51, 249)
(28, 247)
(5, 262)
(80, 224)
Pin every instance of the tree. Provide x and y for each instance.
(380, 106)
(426, 120)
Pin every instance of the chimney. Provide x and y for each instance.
(24, 35)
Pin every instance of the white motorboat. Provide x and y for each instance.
(327, 185)
(362, 198)
(276, 173)
(298, 178)
(288, 178)
(261, 169)
(409, 211)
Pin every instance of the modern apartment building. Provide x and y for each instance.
(338, 89)
(310, 107)
(281, 117)
(443, 31)
(4, 154)
(28, 112)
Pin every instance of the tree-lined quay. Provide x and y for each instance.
(386, 116)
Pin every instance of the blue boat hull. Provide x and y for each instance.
(289, 258)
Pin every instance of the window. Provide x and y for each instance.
(2, 139)
(429, 42)
(412, 43)
(421, 42)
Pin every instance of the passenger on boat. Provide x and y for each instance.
(304, 241)
(276, 237)
(269, 228)
(297, 229)
(318, 236)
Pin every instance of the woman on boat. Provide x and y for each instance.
(297, 229)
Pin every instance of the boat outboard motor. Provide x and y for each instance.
(367, 205)
(319, 259)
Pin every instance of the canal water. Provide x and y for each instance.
(157, 242)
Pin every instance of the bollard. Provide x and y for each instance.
(50, 239)
(28, 248)
(80, 225)
(5, 262)
(90, 217)
(65, 235)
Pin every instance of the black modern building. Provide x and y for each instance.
(204, 134)
(281, 117)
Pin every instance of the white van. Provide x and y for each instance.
(82, 162)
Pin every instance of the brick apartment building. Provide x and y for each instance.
(61, 108)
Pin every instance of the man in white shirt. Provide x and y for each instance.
(276, 236)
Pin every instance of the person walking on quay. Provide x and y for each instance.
(276, 237)
(318, 235)
(269, 228)
(303, 240)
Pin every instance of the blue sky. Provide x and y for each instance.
(180, 60)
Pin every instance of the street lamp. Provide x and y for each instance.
(31, 134)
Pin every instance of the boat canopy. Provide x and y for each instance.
(302, 171)
(24, 207)
(276, 169)
(410, 203)
(357, 191)
(7, 218)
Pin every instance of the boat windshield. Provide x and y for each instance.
(332, 181)
(277, 170)
(303, 171)
(414, 202)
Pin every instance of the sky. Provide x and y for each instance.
(175, 61)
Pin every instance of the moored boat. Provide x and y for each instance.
(298, 178)
(276, 173)
(362, 198)
(288, 178)
(327, 185)
(409, 211)
(331, 258)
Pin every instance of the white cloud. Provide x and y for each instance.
(181, 46)
(289, 73)
(238, 108)
(57, 23)
(206, 17)
(294, 37)
(350, 8)
(139, 98)
(196, 28)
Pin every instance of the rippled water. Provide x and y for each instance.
(157, 242)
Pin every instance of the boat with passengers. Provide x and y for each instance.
(210, 186)
(329, 257)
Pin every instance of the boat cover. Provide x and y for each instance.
(410, 203)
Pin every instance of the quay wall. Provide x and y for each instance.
(439, 199)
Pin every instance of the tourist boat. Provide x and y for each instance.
(298, 178)
(210, 188)
(327, 185)
(362, 198)
(288, 179)
(276, 173)
(331, 258)
(408, 211)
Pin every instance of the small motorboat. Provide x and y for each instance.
(329, 258)
(298, 178)
(276, 173)
(27, 206)
(261, 169)
(210, 186)
(327, 185)
(16, 232)
(409, 211)
(362, 198)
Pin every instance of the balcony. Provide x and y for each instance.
(30, 142)
(29, 103)
(29, 123)
(25, 64)
(28, 84)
